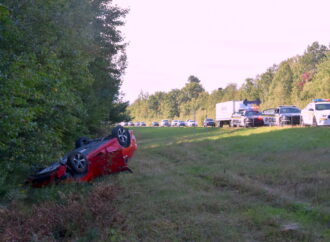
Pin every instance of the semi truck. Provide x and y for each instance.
(225, 110)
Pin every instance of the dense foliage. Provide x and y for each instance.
(293, 82)
(60, 73)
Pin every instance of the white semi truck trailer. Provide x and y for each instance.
(225, 110)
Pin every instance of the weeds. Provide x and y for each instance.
(79, 216)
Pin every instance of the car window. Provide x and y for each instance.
(289, 110)
(322, 106)
(269, 111)
(250, 113)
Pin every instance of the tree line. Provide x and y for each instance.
(295, 81)
(61, 66)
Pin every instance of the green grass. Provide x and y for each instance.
(209, 184)
(192, 184)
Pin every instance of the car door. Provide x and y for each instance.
(308, 114)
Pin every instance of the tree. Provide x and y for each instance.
(230, 92)
(319, 87)
(249, 90)
(173, 103)
(263, 83)
(60, 72)
(191, 90)
(193, 79)
(281, 87)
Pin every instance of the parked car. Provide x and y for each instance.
(124, 123)
(182, 124)
(174, 123)
(142, 124)
(316, 113)
(191, 123)
(154, 124)
(90, 158)
(137, 124)
(130, 123)
(164, 123)
(209, 122)
(282, 115)
(247, 118)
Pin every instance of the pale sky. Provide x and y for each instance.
(218, 41)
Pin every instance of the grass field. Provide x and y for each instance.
(192, 184)
(204, 184)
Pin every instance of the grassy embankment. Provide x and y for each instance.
(229, 184)
(203, 184)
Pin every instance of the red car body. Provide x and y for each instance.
(90, 159)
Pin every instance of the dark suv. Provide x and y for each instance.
(209, 122)
(282, 115)
(247, 118)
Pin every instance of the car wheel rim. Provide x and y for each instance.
(122, 135)
(79, 161)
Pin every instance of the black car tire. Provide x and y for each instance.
(231, 124)
(78, 162)
(82, 141)
(314, 122)
(123, 136)
(302, 123)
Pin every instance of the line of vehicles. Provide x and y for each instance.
(164, 123)
(246, 114)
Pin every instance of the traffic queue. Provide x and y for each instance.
(246, 114)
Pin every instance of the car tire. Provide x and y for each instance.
(82, 141)
(280, 122)
(231, 124)
(302, 123)
(123, 136)
(245, 125)
(314, 122)
(78, 162)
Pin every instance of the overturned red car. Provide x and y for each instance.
(91, 158)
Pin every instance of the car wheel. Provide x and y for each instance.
(302, 123)
(82, 141)
(314, 122)
(123, 136)
(280, 122)
(231, 124)
(78, 162)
